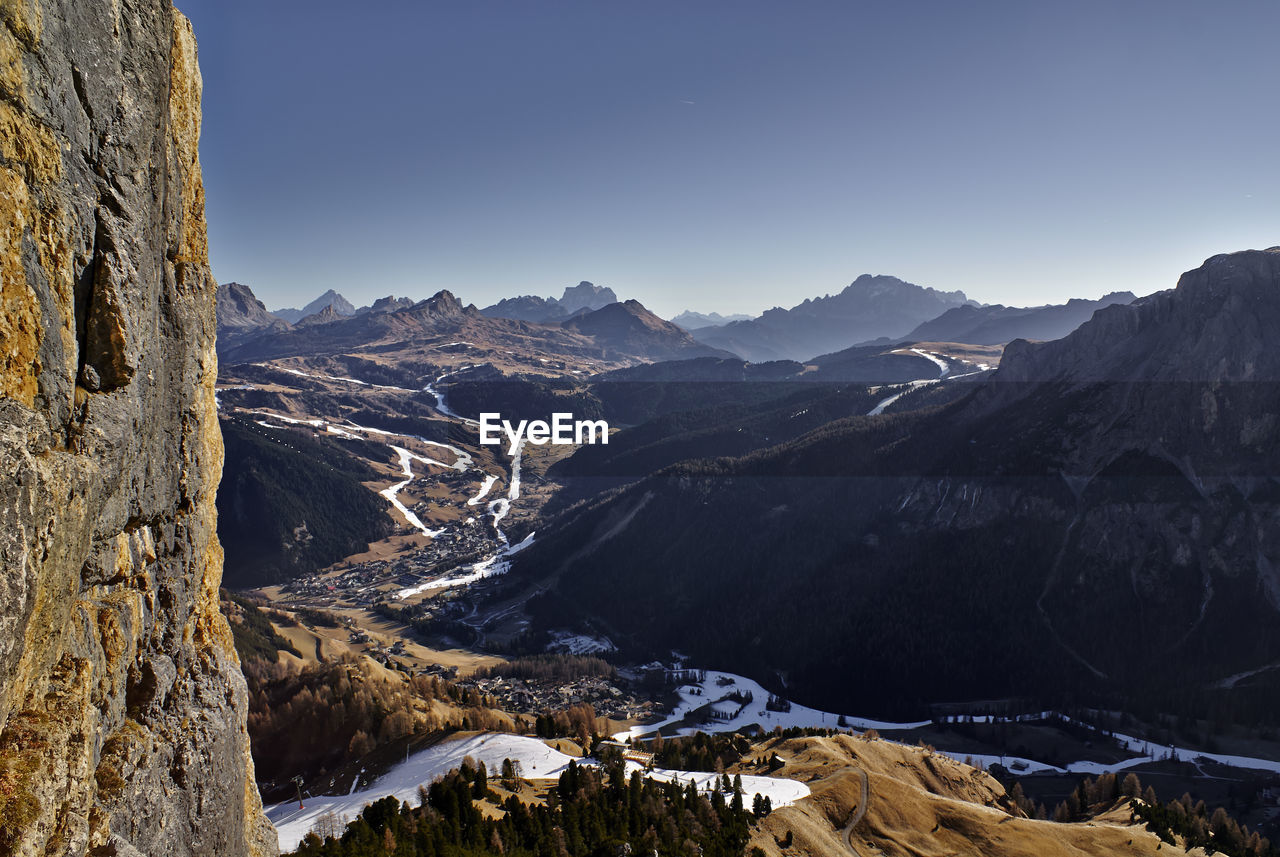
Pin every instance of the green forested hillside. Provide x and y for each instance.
(290, 503)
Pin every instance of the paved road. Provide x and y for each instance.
(858, 813)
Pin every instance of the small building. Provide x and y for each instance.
(631, 754)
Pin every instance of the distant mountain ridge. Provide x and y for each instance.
(241, 315)
(584, 296)
(869, 308)
(996, 324)
(690, 320)
(615, 331)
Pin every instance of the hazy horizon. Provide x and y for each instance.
(732, 157)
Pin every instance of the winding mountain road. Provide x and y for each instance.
(858, 813)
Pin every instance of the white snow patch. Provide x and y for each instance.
(499, 508)
(943, 366)
(489, 480)
(580, 644)
(780, 791)
(319, 376)
(716, 685)
(406, 466)
(441, 405)
(537, 761)
(905, 388)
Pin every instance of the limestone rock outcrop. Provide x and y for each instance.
(122, 707)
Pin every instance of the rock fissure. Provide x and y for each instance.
(122, 709)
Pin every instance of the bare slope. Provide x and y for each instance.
(922, 804)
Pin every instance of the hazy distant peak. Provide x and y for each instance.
(872, 306)
(690, 320)
(341, 306)
(884, 285)
(588, 295)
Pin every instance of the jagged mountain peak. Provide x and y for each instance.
(332, 298)
(586, 294)
(328, 315)
(443, 302)
(388, 304)
(240, 309)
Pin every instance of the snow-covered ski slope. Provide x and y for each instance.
(537, 761)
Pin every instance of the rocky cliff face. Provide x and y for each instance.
(122, 708)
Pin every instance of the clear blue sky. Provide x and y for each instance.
(733, 156)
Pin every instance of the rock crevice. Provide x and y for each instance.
(122, 708)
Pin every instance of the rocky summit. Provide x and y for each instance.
(122, 707)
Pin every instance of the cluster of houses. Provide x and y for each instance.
(365, 584)
(531, 696)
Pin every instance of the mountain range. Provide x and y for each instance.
(871, 307)
(694, 320)
(583, 297)
(880, 309)
(1115, 481)
(995, 324)
(616, 331)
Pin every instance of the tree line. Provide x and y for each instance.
(589, 812)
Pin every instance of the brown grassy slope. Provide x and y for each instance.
(922, 804)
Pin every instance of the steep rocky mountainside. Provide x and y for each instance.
(241, 315)
(122, 707)
(996, 325)
(871, 307)
(239, 309)
(1116, 481)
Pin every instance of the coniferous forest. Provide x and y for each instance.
(588, 812)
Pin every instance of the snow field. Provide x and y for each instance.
(537, 761)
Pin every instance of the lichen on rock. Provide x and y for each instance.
(122, 708)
